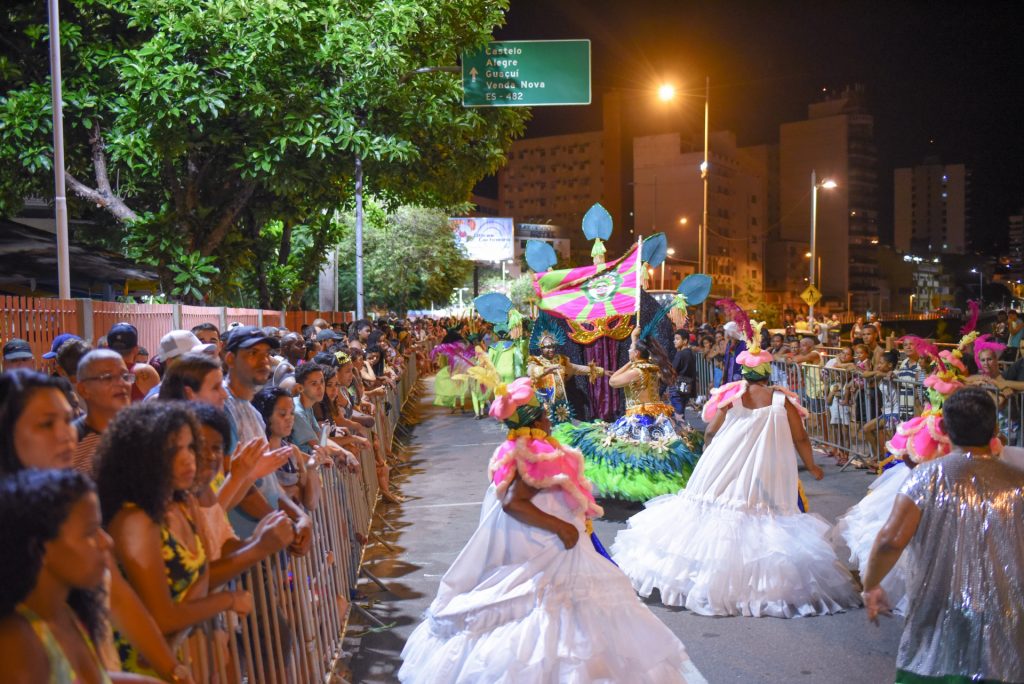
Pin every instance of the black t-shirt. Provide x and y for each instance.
(684, 363)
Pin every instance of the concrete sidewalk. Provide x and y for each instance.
(446, 479)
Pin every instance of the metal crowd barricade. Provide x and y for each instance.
(853, 415)
(302, 604)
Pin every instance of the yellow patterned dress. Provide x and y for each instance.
(183, 568)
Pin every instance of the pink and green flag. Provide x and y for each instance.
(588, 293)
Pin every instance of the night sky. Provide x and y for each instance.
(942, 78)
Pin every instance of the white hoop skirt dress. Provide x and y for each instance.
(858, 528)
(517, 607)
(734, 542)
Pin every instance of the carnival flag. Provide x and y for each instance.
(589, 293)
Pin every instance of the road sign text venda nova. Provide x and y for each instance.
(527, 73)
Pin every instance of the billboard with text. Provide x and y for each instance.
(485, 238)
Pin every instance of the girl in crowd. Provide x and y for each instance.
(147, 465)
(298, 476)
(524, 601)
(51, 608)
(36, 432)
(734, 541)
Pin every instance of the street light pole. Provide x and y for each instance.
(814, 236)
(815, 184)
(60, 201)
(705, 172)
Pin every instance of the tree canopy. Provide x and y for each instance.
(213, 132)
(411, 258)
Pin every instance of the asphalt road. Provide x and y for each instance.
(446, 480)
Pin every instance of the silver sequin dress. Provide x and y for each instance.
(965, 577)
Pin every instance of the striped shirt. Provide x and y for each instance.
(85, 452)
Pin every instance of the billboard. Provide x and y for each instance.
(485, 238)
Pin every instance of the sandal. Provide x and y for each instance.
(842, 459)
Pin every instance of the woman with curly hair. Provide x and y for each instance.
(146, 466)
(36, 432)
(51, 610)
(641, 455)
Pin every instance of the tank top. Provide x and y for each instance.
(61, 671)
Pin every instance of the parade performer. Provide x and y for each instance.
(962, 519)
(453, 356)
(642, 454)
(507, 353)
(917, 440)
(525, 601)
(550, 370)
(478, 393)
(734, 541)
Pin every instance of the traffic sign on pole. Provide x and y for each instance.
(811, 295)
(527, 73)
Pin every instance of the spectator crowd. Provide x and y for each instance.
(146, 486)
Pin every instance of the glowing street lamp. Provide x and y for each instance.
(669, 252)
(981, 288)
(666, 92)
(828, 184)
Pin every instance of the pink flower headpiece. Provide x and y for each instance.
(517, 393)
(753, 360)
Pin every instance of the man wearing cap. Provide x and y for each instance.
(124, 339)
(173, 346)
(248, 360)
(18, 354)
(57, 342)
(328, 337)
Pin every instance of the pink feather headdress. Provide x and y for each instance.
(982, 343)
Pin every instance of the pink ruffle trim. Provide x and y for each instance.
(542, 465)
(921, 438)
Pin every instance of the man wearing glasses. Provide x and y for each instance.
(105, 385)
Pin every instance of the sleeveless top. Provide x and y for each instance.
(61, 671)
(183, 568)
(646, 388)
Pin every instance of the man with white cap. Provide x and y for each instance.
(173, 345)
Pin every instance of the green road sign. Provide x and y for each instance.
(527, 73)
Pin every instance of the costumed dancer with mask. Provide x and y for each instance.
(528, 600)
(453, 356)
(734, 541)
(550, 370)
(643, 454)
(918, 440)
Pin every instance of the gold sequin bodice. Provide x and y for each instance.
(643, 390)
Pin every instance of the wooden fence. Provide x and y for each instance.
(39, 320)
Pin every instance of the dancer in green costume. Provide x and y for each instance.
(642, 454)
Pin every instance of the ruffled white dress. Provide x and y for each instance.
(858, 527)
(517, 607)
(734, 542)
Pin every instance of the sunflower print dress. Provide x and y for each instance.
(183, 569)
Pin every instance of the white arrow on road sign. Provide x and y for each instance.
(472, 74)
